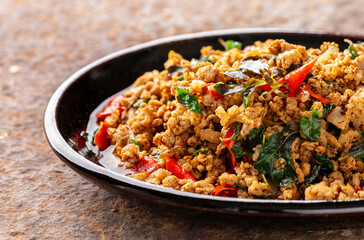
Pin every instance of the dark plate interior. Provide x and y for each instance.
(69, 109)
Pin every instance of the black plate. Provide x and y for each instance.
(70, 106)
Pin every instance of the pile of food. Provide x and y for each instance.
(273, 120)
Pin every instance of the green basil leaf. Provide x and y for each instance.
(270, 81)
(256, 136)
(84, 136)
(333, 130)
(181, 78)
(247, 94)
(230, 44)
(357, 151)
(327, 109)
(362, 135)
(250, 87)
(132, 140)
(353, 53)
(311, 127)
(278, 146)
(285, 176)
(314, 173)
(206, 60)
(324, 161)
(238, 151)
(202, 150)
(253, 83)
(188, 100)
(242, 188)
(224, 89)
(253, 66)
(137, 103)
(309, 105)
(292, 67)
(93, 136)
(157, 154)
(182, 90)
(271, 56)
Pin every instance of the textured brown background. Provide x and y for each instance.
(42, 42)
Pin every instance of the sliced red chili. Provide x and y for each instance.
(114, 103)
(145, 165)
(102, 139)
(316, 95)
(230, 143)
(177, 170)
(231, 171)
(294, 78)
(297, 76)
(228, 134)
(266, 87)
(233, 159)
(225, 191)
(216, 94)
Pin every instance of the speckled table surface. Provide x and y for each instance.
(43, 42)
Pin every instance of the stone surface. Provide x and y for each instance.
(43, 42)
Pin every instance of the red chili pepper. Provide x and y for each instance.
(102, 139)
(230, 143)
(294, 78)
(266, 87)
(297, 76)
(233, 159)
(228, 134)
(231, 171)
(145, 165)
(225, 191)
(177, 170)
(216, 94)
(316, 95)
(115, 103)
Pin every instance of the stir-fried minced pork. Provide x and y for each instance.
(273, 120)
